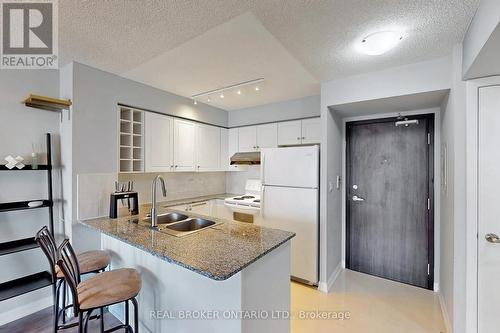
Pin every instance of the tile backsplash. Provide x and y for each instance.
(93, 190)
(235, 180)
(179, 185)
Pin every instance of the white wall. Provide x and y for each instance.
(433, 75)
(20, 127)
(292, 109)
(486, 19)
(453, 201)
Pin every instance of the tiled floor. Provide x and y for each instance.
(374, 304)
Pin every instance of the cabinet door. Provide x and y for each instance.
(290, 133)
(267, 136)
(184, 145)
(232, 148)
(247, 139)
(159, 143)
(207, 147)
(311, 131)
(224, 149)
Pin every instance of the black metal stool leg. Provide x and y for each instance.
(127, 320)
(80, 322)
(64, 303)
(86, 321)
(56, 310)
(136, 315)
(101, 312)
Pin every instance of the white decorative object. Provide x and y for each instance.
(14, 162)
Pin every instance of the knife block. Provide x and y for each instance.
(132, 199)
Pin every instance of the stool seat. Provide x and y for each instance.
(90, 261)
(108, 288)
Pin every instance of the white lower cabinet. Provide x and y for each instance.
(159, 143)
(184, 145)
(208, 146)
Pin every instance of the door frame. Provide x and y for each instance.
(472, 186)
(431, 117)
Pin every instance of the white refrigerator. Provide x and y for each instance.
(290, 201)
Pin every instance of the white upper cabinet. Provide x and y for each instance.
(290, 133)
(247, 139)
(299, 132)
(232, 148)
(159, 146)
(252, 138)
(267, 136)
(184, 145)
(311, 131)
(208, 146)
(224, 149)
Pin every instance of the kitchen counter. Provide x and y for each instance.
(216, 252)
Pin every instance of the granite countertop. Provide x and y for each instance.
(217, 252)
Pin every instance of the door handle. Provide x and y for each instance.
(356, 198)
(492, 238)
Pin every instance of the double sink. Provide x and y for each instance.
(179, 225)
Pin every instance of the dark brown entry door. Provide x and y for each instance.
(389, 199)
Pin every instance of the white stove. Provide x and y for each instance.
(250, 201)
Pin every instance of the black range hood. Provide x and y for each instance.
(251, 158)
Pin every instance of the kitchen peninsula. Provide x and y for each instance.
(229, 277)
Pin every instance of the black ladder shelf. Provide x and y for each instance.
(38, 280)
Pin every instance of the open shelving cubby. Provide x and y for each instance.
(131, 139)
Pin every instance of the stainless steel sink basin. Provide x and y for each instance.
(191, 225)
(168, 218)
(187, 227)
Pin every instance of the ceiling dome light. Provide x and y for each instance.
(379, 42)
(221, 95)
(239, 92)
(195, 102)
(257, 88)
(208, 100)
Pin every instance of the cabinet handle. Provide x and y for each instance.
(175, 166)
(303, 138)
(298, 138)
(198, 166)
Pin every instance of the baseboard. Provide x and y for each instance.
(327, 286)
(444, 311)
(24, 310)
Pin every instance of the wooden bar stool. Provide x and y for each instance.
(99, 291)
(90, 262)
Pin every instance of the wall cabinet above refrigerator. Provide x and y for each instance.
(299, 132)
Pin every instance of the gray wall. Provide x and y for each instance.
(20, 127)
(453, 200)
(292, 109)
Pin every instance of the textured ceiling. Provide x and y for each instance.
(209, 61)
(120, 35)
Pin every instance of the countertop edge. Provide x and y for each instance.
(191, 268)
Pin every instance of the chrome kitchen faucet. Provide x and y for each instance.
(154, 212)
